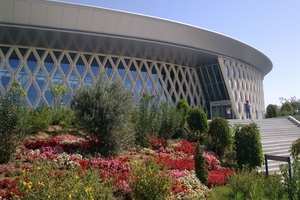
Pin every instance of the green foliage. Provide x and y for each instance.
(104, 110)
(45, 181)
(65, 117)
(220, 133)
(229, 159)
(286, 109)
(273, 187)
(145, 119)
(58, 91)
(40, 119)
(291, 186)
(248, 146)
(295, 149)
(272, 111)
(294, 102)
(200, 165)
(170, 120)
(148, 181)
(183, 106)
(197, 120)
(14, 120)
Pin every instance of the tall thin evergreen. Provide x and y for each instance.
(200, 165)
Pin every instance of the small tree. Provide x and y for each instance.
(170, 120)
(286, 109)
(14, 120)
(105, 110)
(145, 119)
(295, 149)
(248, 146)
(220, 133)
(272, 111)
(183, 107)
(58, 91)
(197, 120)
(200, 165)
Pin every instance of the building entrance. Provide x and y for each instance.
(219, 109)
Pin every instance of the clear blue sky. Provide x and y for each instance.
(271, 26)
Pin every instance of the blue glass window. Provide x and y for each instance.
(48, 95)
(95, 67)
(65, 64)
(23, 77)
(31, 63)
(108, 68)
(121, 70)
(88, 80)
(40, 78)
(32, 94)
(5, 77)
(57, 78)
(14, 61)
(49, 63)
(80, 66)
(73, 80)
(127, 83)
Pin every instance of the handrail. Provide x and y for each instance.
(295, 121)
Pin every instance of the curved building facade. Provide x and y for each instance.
(44, 42)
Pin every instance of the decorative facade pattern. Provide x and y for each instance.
(36, 68)
(244, 83)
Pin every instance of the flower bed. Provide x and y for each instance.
(64, 154)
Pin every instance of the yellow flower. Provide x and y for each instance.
(24, 183)
(91, 197)
(38, 168)
(70, 196)
(49, 196)
(76, 177)
(88, 189)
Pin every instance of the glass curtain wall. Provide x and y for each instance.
(37, 68)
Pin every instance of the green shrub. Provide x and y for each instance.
(170, 120)
(295, 149)
(183, 107)
(229, 159)
(272, 111)
(40, 119)
(14, 120)
(145, 119)
(200, 165)
(148, 181)
(65, 117)
(197, 120)
(286, 109)
(220, 133)
(273, 187)
(291, 186)
(248, 146)
(105, 110)
(243, 183)
(45, 181)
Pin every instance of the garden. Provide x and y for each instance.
(103, 146)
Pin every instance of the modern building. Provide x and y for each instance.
(43, 42)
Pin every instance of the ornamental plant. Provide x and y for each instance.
(200, 165)
(220, 135)
(197, 120)
(45, 181)
(248, 146)
(148, 181)
(145, 119)
(14, 120)
(104, 110)
(295, 149)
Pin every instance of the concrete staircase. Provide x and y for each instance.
(277, 135)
